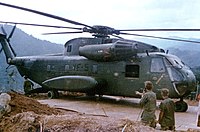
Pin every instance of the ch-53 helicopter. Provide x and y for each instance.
(103, 65)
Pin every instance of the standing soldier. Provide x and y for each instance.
(148, 102)
(28, 85)
(167, 108)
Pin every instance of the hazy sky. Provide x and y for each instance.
(119, 14)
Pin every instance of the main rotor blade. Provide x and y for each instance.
(45, 14)
(117, 36)
(162, 29)
(182, 40)
(41, 25)
(61, 33)
(12, 49)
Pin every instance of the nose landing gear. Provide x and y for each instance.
(181, 106)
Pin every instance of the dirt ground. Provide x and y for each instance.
(28, 115)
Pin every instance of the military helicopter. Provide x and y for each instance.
(103, 65)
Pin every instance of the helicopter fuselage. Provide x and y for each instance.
(118, 67)
(122, 78)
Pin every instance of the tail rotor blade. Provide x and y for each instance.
(1, 50)
(13, 50)
(11, 33)
(3, 30)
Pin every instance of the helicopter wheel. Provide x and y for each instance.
(181, 106)
(53, 94)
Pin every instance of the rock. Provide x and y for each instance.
(4, 104)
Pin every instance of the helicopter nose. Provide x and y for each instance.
(186, 86)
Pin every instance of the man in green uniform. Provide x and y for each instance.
(167, 108)
(28, 85)
(148, 102)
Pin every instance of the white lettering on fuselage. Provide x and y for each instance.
(80, 67)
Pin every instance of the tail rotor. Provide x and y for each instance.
(9, 37)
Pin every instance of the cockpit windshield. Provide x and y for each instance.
(176, 62)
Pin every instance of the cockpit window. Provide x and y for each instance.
(176, 62)
(157, 65)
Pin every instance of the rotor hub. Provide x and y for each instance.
(101, 31)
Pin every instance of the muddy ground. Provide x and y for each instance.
(28, 115)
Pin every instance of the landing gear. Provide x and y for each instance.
(181, 106)
(53, 94)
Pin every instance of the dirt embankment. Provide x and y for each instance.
(28, 115)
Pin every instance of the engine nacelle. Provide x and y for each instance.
(109, 52)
